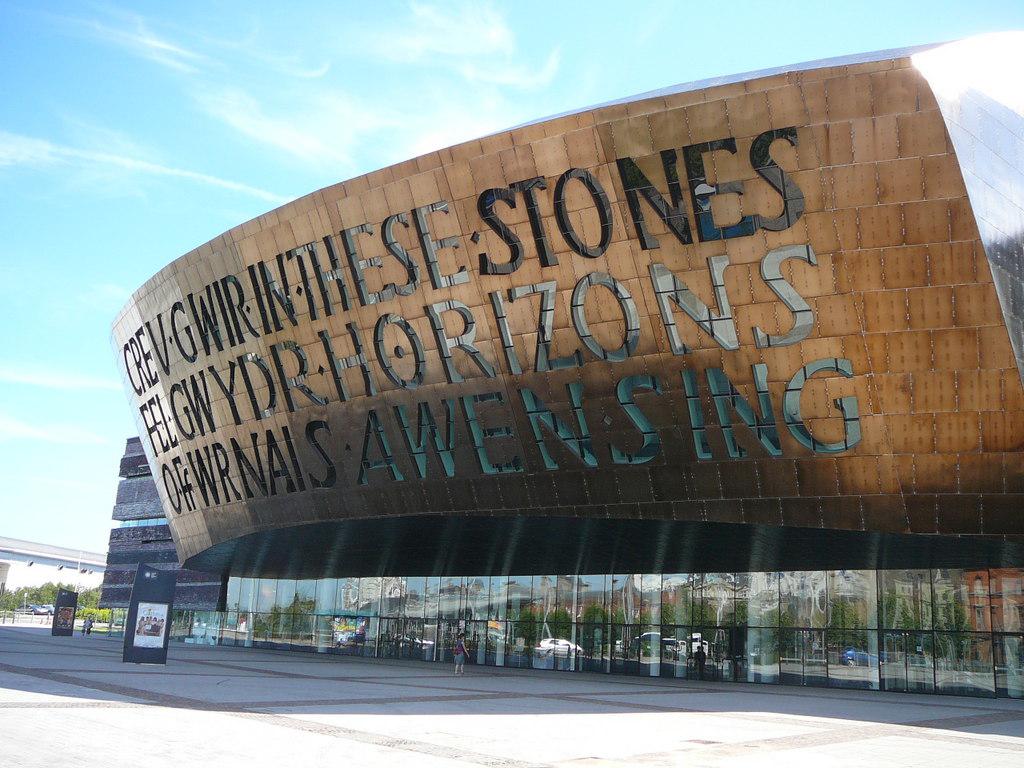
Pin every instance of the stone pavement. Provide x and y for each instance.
(70, 702)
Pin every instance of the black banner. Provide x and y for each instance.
(64, 613)
(148, 627)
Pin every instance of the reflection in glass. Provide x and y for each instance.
(369, 596)
(761, 592)
(852, 600)
(906, 599)
(627, 598)
(803, 598)
(1009, 666)
(450, 597)
(1007, 587)
(677, 598)
(392, 596)
(961, 600)
(963, 663)
(414, 595)
(265, 595)
(519, 588)
(347, 599)
(763, 655)
(304, 600)
(716, 593)
(852, 658)
(498, 600)
(326, 596)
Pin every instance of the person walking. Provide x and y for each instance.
(88, 625)
(700, 657)
(460, 654)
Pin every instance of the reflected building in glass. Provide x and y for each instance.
(722, 381)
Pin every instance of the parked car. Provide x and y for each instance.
(554, 646)
(852, 657)
(40, 610)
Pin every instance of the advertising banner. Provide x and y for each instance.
(64, 613)
(150, 625)
(147, 629)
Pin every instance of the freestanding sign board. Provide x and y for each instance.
(64, 613)
(147, 628)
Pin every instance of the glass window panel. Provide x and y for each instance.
(920, 662)
(431, 600)
(677, 598)
(544, 594)
(285, 594)
(627, 593)
(477, 597)
(326, 596)
(566, 594)
(1009, 662)
(852, 600)
(369, 596)
(451, 597)
(592, 598)
(519, 588)
(906, 599)
(717, 606)
(498, 604)
(762, 655)
(963, 663)
(266, 594)
(650, 605)
(815, 657)
(392, 595)
(231, 601)
(246, 594)
(762, 600)
(1007, 586)
(961, 600)
(305, 597)
(415, 586)
(852, 658)
(347, 602)
(803, 598)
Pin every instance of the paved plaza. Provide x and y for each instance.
(70, 701)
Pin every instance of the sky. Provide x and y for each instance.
(130, 134)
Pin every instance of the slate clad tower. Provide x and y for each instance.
(142, 535)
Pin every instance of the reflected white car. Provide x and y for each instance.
(554, 646)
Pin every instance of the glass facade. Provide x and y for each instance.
(939, 631)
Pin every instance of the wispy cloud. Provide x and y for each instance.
(60, 434)
(325, 129)
(50, 378)
(137, 38)
(474, 39)
(19, 150)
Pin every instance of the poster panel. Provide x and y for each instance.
(150, 611)
(64, 611)
(150, 625)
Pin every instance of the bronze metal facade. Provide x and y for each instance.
(743, 308)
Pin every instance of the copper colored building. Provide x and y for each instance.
(736, 363)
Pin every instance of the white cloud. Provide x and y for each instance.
(60, 434)
(50, 378)
(21, 150)
(473, 39)
(138, 39)
(469, 30)
(325, 129)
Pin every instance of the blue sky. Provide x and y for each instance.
(131, 134)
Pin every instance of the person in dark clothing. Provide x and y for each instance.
(700, 657)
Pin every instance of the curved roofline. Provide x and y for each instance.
(711, 82)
